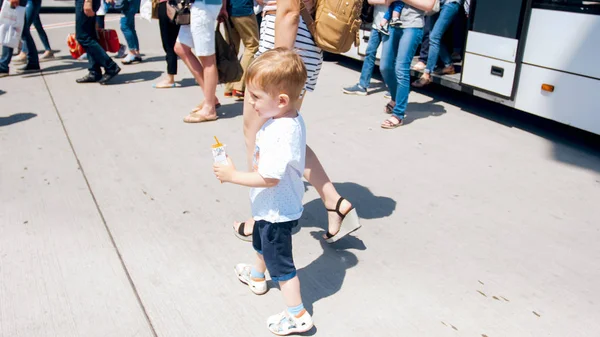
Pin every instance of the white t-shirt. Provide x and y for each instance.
(280, 153)
(378, 13)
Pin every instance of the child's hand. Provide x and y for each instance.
(224, 172)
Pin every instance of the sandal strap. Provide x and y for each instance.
(337, 209)
(241, 229)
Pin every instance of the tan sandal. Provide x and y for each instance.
(389, 124)
(198, 118)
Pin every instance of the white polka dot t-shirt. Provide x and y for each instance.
(280, 153)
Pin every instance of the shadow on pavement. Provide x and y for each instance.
(2, 92)
(416, 111)
(140, 76)
(187, 82)
(60, 69)
(16, 118)
(230, 109)
(325, 276)
(368, 206)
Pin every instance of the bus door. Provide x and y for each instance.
(492, 60)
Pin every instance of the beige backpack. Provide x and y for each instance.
(335, 25)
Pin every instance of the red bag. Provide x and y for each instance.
(75, 48)
(109, 40)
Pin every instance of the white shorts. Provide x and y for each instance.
(200, 33)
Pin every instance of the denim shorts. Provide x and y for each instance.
(274, 242)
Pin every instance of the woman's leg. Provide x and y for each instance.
(407, 46)
(387, 66)
(168, 36)
(447, 14)
(37, 23)
(128, 26)
(211, 78)
(191, 61)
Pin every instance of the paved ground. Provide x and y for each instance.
(476, 221)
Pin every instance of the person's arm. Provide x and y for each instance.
(14, 3)
(228, 174)
(88, 8)
(424, 5)
(378, 2)
(252, 179)
(223, 15)
(286, 24)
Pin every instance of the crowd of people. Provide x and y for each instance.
(281, 64)
(401, 36)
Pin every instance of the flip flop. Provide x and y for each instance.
(350, 223)
(199, 107)
(198, 118)
(155, 86)
(240, 234)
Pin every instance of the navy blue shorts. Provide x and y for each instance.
(274, 242)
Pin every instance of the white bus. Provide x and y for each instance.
(538, 56)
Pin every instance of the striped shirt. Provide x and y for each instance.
(305, 46)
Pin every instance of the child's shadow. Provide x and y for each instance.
(325, 276)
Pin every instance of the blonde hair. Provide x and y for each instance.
(278, 71)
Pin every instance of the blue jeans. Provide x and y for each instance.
(395, 6)
(128, 23)
(369, 62)
(440, 25)
(37, 23)
(31, 11)
(85, 30)
(398, 51)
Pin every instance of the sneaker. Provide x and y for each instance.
(384, 29)
(396, 22)
(419, 66)
(21, 58)
(27, 69)
(238, 95)
(242, 271)
(48, 55)
(121, 52)
(421, 82)
(355, 90)
(284, 324)
(387, 95)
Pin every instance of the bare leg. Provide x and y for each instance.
(291, 292)
(260, 265)
(211, 77)
(314, 171)
(191, 61)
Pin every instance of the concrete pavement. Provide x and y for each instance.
(475, 222)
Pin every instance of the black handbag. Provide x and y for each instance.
(228, 66)
(178, 11)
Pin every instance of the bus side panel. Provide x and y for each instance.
(564, 41)
(574, 101)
